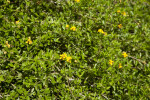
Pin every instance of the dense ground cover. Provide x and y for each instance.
(75, 49)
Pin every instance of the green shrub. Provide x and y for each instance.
(64, 49)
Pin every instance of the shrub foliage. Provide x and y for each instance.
(75, 49)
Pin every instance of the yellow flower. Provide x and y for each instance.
(29, 40)
(67, 26)
(8, 1)
(118, 11)
(8, 45)
(69, 59)
(17, 22)
(75, 61)
(63, 56)
(100, 30)
(77, 0)
(73, 28)
(105, 33)
(120, 26)
(125, 54)
(120, 66)
(111, 62)
(5, 52)
(124, 13)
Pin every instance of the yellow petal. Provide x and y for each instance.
(30, 42)
(8, 45)
(67, 26)
(17, 22)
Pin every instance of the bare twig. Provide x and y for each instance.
(105, 97)
(13, 85)
(70, 89)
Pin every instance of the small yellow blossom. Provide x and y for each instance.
(63, 56)
(17, 22)
(100, 30)
(67, 26)
(111, 62)
(105, 33)
(73, 28)
(8, 45)
(124, 13)
(120, 66)
(29, 41)
(75, 61)
(125, 54)
(5, 52)
(6, 42)
(118, 11)
(120, 26)
(69, 59)
(8, 1)
(77, 0)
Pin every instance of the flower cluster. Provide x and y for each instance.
(17, 22)
(120, 66)
(125, 54)
(68, 59)
(7, 44)
(65, 57)
(29, 41)
(111, 62)
(73, 28)
(101, 31)
(120, 26)
(123, 13)
(77, 0)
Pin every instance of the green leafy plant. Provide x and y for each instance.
(74, 49)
